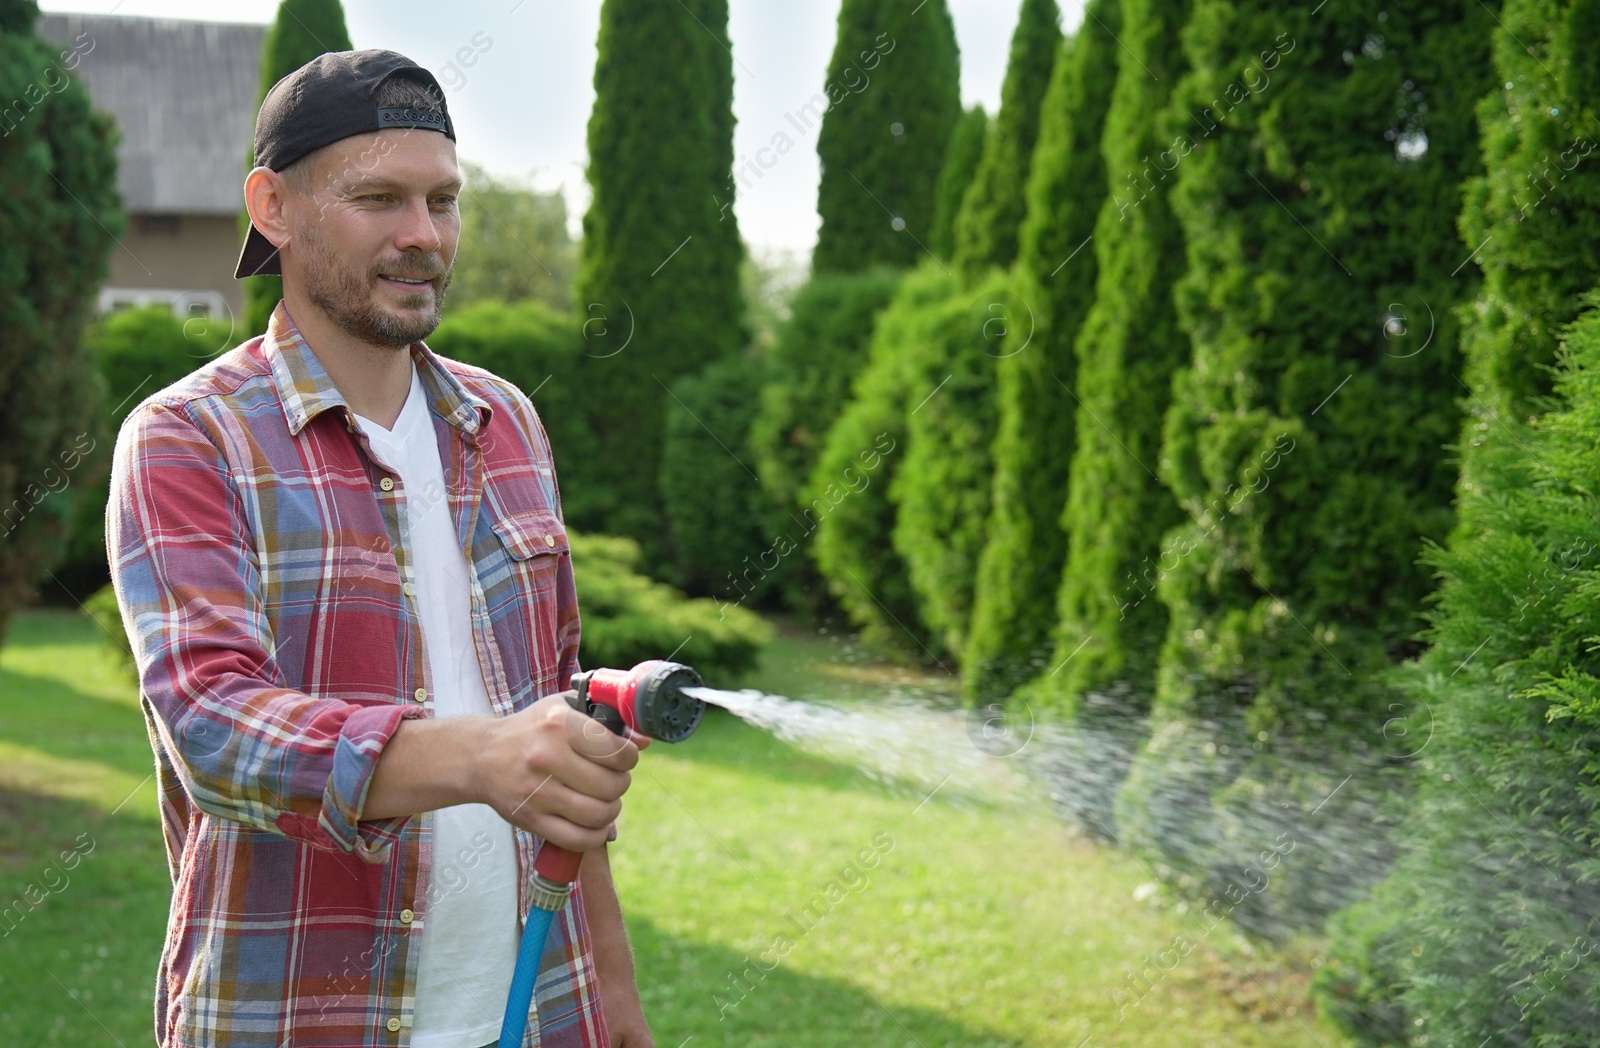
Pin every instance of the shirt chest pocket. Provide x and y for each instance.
(523, 596)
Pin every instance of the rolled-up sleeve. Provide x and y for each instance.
(187, 578)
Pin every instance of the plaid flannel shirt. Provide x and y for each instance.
(261, 564)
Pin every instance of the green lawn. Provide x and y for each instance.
(756, 918)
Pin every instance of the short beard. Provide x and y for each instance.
(347, 301)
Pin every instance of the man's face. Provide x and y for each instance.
(375, 231)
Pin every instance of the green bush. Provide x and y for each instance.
(888, 107)
(59, 215)
(1019, 572)
(1486, 926)
(847, 501)
(537, 350)
(820, 350)
(941, 489)
(719, 515)
(628, 617)
(1304, 441)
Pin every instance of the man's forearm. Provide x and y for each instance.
(613, 958)
(426, 765)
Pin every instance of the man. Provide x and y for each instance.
(342, 565)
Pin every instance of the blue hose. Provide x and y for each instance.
(523, 977)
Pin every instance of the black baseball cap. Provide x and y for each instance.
(330, 98)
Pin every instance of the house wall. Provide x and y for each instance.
(181, 253)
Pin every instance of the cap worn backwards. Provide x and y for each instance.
(331, 97)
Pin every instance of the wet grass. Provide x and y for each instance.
(773, 898)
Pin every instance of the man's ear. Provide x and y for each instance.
(266, 199)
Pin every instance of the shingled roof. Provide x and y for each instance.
(184, 95)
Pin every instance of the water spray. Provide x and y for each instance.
(652, 699)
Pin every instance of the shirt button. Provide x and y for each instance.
(405, 916)
(394, 1025)
(387, 483)
(408, 589)
(549, 540)
(421, 695)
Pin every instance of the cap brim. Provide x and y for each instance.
(258, 257)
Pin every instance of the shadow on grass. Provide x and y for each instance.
(717, 996)
(83, 906)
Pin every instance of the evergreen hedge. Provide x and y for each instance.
(1486, 927)
(1019, 571)
(303, 30)
(940, 490)
(721, 518)
(59, 215)
(1117, 511)
(658, 291)
(1304, 442)
(960, 165)
(892, 100)
(847, 500)
(996, 202)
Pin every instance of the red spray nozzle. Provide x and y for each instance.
(649, 699)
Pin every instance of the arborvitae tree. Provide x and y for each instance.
(59, 215)
(658, 285)
(1485, 930)
(1110, 624)
(1014, 606)
(941, 489)
(893, 98)
(847, 501)
(303, 30)
(960, 165)
(1469, 930)
(1534, 217)
(988, 224)
(1317, 188)
(1117, 511)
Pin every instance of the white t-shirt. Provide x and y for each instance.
(469, 918)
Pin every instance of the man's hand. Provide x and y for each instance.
(556, 772)
(548, 768)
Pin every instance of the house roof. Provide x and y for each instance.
(184, 96)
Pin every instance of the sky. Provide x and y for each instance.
(518, 77)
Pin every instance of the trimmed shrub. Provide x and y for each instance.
(719, 514)
(941, 489)
(890, 103)
(847, 501)
(1304, 441)
(1482, 929)
(960, 164)
(659, 294)
(996, 201)
(303, 30)
(58, 218)
(628, 618)
(1019, 572)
